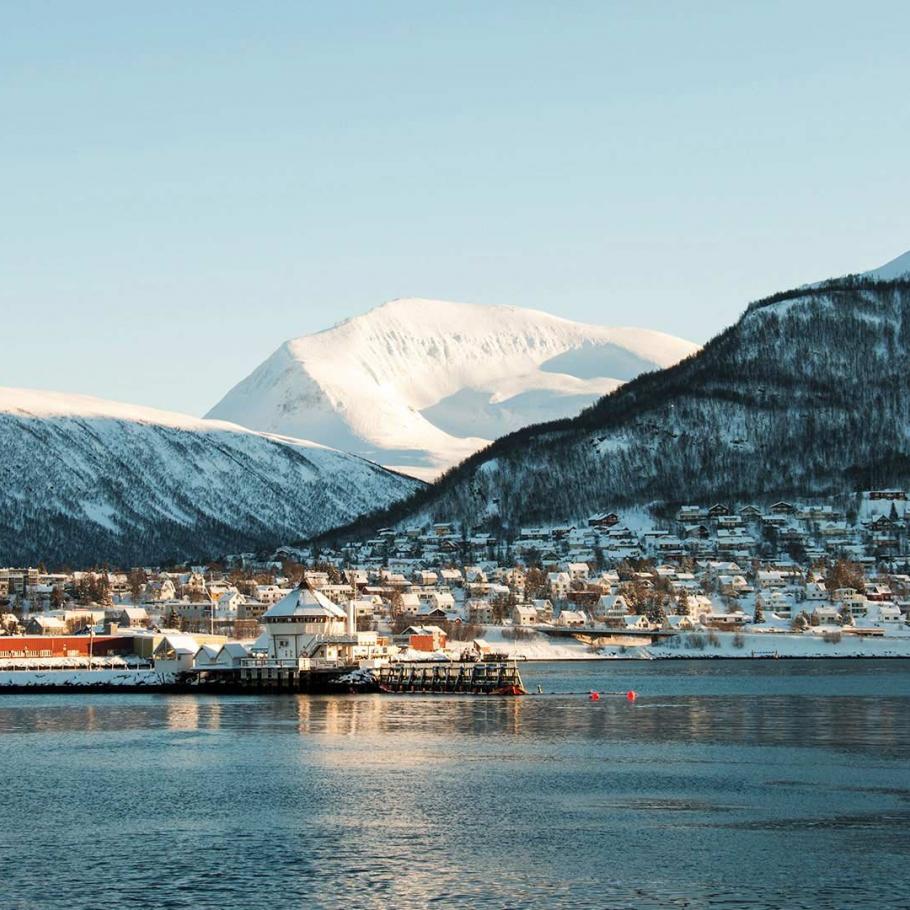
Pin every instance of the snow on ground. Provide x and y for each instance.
(763, 644)
(84, 678)
(540, 647)
(696, 645)
(70, 663)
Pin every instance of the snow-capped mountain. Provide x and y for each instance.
(84, 480)
(421, 384)
(806, 394)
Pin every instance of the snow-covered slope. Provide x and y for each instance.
(421, 384)
(807, 394)
(896, 268)
(84, 480)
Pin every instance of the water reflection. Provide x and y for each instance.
(878, 725)
(182, 714)
(712, 790)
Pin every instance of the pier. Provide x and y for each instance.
(480, 678)
(274, 676)
(467, 678)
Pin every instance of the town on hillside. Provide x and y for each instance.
(718, 580)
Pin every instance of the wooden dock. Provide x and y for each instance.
(267, 678)
(477, 678)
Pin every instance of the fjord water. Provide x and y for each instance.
(725, 784)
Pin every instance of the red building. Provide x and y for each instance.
(64, 645)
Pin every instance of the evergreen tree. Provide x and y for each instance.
(683, 607)
(136, 580)
(657, 613)
(800, 622)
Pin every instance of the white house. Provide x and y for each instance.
(578, 571)
(231, 654)
(560, 584)
(438, 600)
(229, 604)
(611, 608)
(571, 618)
(636, 622)
(268, 594)
(816, 591)
(175, 652)
(825, 614)
(479, 611)
(305, 624)
(883, 612)
(524, 615)
(159, 590)
(771, 580)
(779, 603)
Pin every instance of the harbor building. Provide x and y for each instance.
(305, 630)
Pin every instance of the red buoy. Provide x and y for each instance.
(631, 695)
(594, 696)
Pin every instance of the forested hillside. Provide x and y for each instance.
(806, 393)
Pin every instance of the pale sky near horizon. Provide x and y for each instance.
(185, 186)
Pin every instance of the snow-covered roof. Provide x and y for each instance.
(303, 602)
(179, 643)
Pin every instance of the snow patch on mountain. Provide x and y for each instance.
(421, 384)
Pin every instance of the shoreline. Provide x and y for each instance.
(665, 657)
(740, 645)
(108, 687)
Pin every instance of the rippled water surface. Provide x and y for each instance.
(728, 784)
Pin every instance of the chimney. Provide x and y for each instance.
(352, 621)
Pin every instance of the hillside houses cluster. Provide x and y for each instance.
(802, 533)
(784, 566)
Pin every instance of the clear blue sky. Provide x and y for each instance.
(185, 185)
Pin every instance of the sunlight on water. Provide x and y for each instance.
(774, 784)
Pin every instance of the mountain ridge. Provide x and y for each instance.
(391, 384)
(85, 480)
(831, 352)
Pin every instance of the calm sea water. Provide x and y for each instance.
(725, 785)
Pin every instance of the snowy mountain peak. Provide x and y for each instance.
(420, 384)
